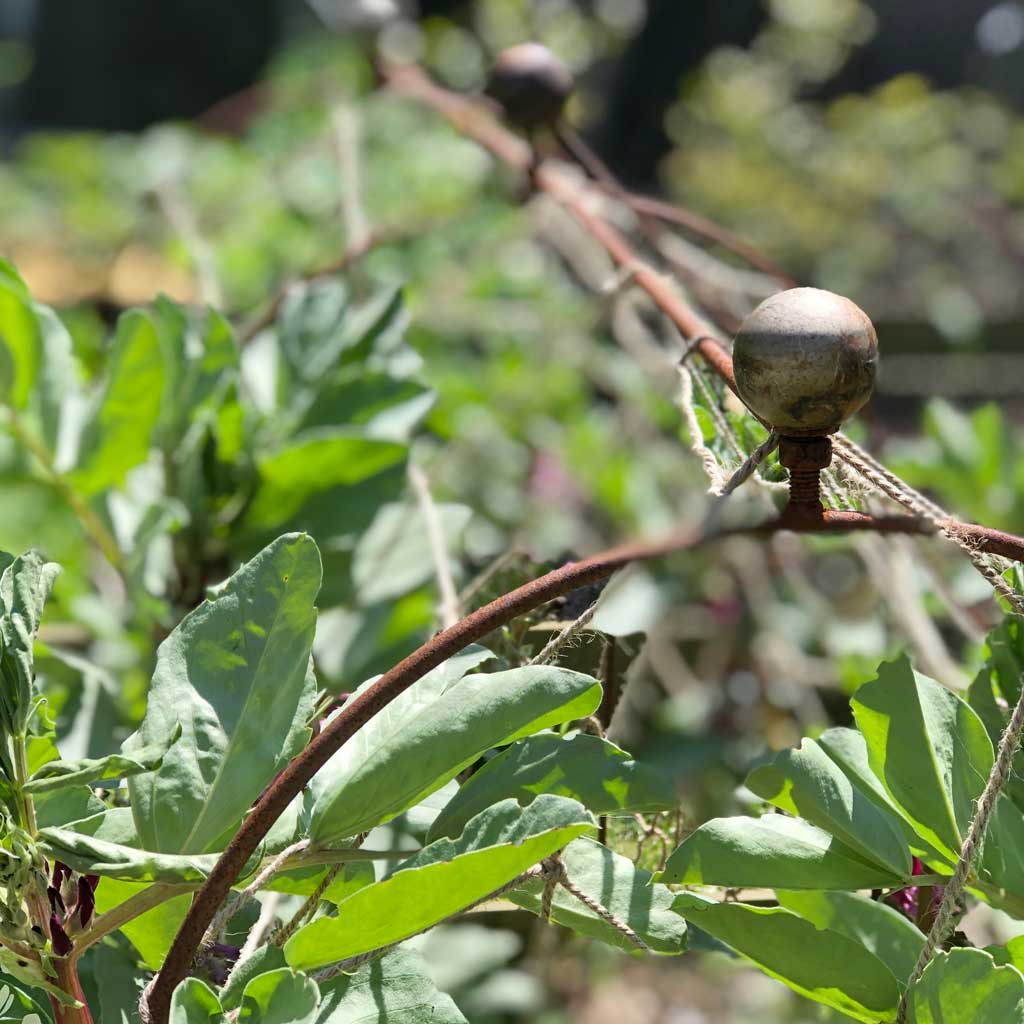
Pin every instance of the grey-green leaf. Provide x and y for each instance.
(430, 733)
(119, 435)
(62, 774)
(235, 673)
(875, 925)
(24, 587)
(808, 783)
(822, 965)
(602, 776)
(966, 985)
(774, 852)
(194, 1002)
(442, 879)
(629, 892)
(279, 997)
(396, 989)
(93, 856)
(928, 748)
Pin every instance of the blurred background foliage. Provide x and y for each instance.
(217, 152)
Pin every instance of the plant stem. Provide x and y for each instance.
(91, 522)
(67, 979)
(28, 808)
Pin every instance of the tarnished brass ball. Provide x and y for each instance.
(531, 84)
(805, 361)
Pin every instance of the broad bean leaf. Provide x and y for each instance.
(264, 959)
(385, 407)
(822, 965)
(327, 462)
(966, 985)
(54, 775)
(394, 555)
(620, 886)
(396, 989)
(119, 435)
(279, 997)
(16, 1006)
(93, 856)
(194, 1002)
(442, 879)
(430, 733)
(806, 782)
(24, 587)
(19, 339)
(873, 924)
(304, 881)
(236, 674)
(1001, 677)
(929, 750)
(775, 852)
(152, 932)
(602, 776)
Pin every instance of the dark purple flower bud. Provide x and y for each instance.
(60, 871)
(229, 953)
(62, 945)
(86, 901)
(56, 900)
(93, 881)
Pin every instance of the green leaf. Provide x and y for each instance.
(63, 774)
(928, 748)
(618, 885)
(119, 435)
(396, 989)
(24, 587)
(16, 1005)
(321, 463)
(236, 674)
(152, 932)
(1012, 953)
(875, 925)
(809, 784)
(966, 985)
(819, 964)
(304, 881)
(194, 1002)
(279, 997)
(430, 733)
(1001, 677)
(92, 856)
(19, 336)
(775, 852)
(394, 555)
(441, 880)
(264, 959)
(385, 407)
(598, 774)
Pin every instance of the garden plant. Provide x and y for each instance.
(268, 840)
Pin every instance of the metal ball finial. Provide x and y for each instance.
(532, 85)
(805, 361)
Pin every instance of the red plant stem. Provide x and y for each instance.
(67, 979)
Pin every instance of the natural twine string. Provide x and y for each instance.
(950, 908)
(564, 636)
